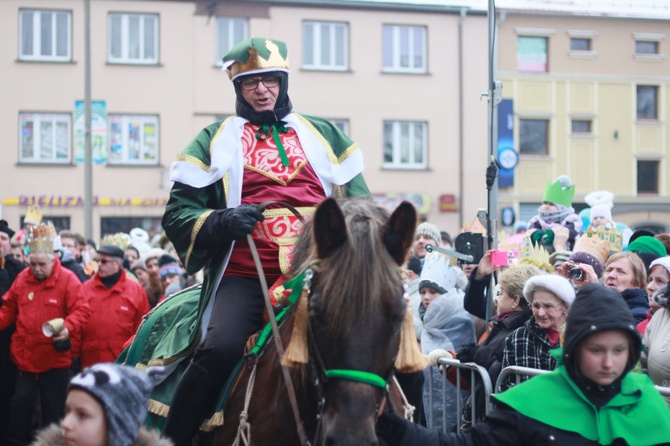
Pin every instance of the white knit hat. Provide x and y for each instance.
(559, 286)
(662, 261)
(601, 210)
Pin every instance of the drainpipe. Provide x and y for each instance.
(461, 117)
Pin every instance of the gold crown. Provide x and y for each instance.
(476, 227)
(535, 255)
(120, 240)
(33, 215)
(41, 238)
(600, 242)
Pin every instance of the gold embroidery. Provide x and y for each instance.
(274, 178)
(194, 234)
(218, 133)
(193, 161)
(329, 149)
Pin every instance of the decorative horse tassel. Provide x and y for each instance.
(297, 351)
(409, 359)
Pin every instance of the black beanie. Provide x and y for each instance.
(596, 309)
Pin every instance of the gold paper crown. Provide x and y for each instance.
(476, 227)
(120, 240)
(535, 255)
(256, 55)
(33, 215)
(41, 238)
(601, 242)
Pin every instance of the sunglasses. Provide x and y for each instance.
(105, 261)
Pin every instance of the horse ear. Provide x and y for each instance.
(329, 228)
(399, 231)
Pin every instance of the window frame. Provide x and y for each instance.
(37, 35)
(342, 124)
(587, 132)
(125, 58)
(546, 151)
(654, 38)
(316, 46)
(396, 149)
(45, 117)
(221, 49)
(646, 175)
(655, 116)
(396, 55)
(124, 120)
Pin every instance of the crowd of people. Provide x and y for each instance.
(561, 256)
(578, 299)
(67, 305)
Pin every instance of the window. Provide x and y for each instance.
(580, 44)
(531, 54)
(405, 48)
(325, 46)
(229, 32)
(647, 177)
(45, 138)
(646, 47)
(133, 139)
(45, 35)
(133, 38)
(534, 136)
(342, 124)
(647, 102)
(581, 126)
(405, 144)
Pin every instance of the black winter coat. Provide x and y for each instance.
(504, 427)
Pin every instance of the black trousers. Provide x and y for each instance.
(236, 315)
(52, 388)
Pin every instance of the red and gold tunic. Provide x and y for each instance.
(266, 179)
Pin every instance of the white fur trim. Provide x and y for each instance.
(558, 285)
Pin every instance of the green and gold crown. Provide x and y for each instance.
(256, 55)
(120, 240)
(560, 191)
(41, 238)
(33, 215)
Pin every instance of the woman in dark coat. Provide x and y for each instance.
(590, 399)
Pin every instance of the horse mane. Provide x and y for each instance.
(356, 278)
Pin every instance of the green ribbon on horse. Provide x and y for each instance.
(275, 128)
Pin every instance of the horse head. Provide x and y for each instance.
(356, 308)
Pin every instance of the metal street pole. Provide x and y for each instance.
(88, 169)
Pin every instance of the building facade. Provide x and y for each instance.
(590, 99)
(587, 90)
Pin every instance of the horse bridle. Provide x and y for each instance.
(320, 375)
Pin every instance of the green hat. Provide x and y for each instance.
(560, 191)
(256, 55)
(647, 244)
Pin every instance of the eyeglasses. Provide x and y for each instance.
(252, 83)
(105, 261)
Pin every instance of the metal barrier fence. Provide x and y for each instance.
(488, 389)
(474, 370)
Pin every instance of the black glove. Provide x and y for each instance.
(226, 225)
(76, 365)
(391, 428)
(467, 353)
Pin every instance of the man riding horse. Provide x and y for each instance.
(264, 153)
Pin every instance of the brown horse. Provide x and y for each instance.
(356, 308)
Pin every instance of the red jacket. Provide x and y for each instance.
(115, 315)
(29, 304)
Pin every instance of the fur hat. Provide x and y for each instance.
(558, 285)
(596, 309)
(429, 230)
(123, 392)
(437, 274)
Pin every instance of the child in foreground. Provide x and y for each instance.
(106, 406)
